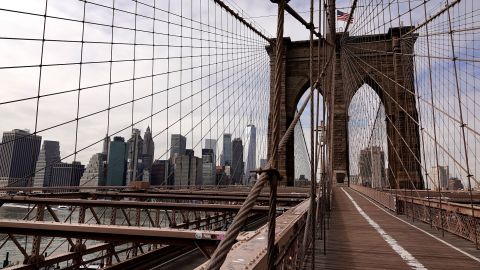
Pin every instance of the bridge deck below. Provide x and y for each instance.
(361, 235)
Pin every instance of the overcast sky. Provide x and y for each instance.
(204, 98)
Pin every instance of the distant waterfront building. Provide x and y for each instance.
(371, 165)
(181, 170)
(178, 145)
(226, 158)
(251, 153)
(208, 167)
(106, 145)
(116, 168)
(134, 157)
(159, 173)
(263, 162)
(237, 161)
(148, 150)
(196, 170)
(441, 175)
(455, 184)
(212, 144)
(18, 157)
(66, 174)
(302, 181)
(222, 178)
(187, 169)
(49, 154)
(95, 173)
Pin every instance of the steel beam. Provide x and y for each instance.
(127, 204)
(111, 233)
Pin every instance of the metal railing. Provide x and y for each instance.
(455, 218)
(250, 252)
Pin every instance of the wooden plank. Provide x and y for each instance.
(352, 243)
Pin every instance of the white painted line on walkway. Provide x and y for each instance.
(404, 254)
(422, 230)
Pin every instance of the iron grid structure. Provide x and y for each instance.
(390, 89)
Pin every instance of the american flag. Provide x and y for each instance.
(342, 16)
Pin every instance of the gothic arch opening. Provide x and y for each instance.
(367, 138)
(302, 137)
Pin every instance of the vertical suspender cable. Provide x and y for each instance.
(469, 175)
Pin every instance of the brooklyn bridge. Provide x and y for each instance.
(276, 134)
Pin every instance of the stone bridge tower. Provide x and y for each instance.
(382, 61)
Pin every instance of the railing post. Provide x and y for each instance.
(36, 257)
(272, 215)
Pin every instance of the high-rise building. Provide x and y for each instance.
(208, 167)
(237, 167)
(95, 173)
(187, 169)
(49, 154)
(18, 157)
(263, 162)
(371, 165)
(106, 144)
(378, 167)
(441, 175)
(116, 168)
(181, 170)
(222, 178)
(251, 153)
(212, 144)
(66, 174)
(134, 157)
(148, 150)
(227, 150)
(454, 184)
(196, 170)
(178, 145)
(159, 172)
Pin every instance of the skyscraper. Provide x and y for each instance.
(18, 157)
(181, 170)
(178, 145)
(95, 172)
(251, 152)
(237, 161)
(66, 174)
(117, 163)
(208, 167)
(187, 169)
(263, 162)
(106, 144)
(441, 175)
(49, 154)
(227, 150)
(148, 150)
(159, 172)
(371, 165)
(134, 158)
(212, 144)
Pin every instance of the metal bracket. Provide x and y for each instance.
(270, 171)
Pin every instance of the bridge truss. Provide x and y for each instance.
(83, 71)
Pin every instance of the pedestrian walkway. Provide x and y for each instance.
(362, 235)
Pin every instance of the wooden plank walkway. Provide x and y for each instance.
(362, 235)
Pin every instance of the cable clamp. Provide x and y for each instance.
(271, 172)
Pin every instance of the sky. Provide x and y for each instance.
(60, 102)
(220, 89)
